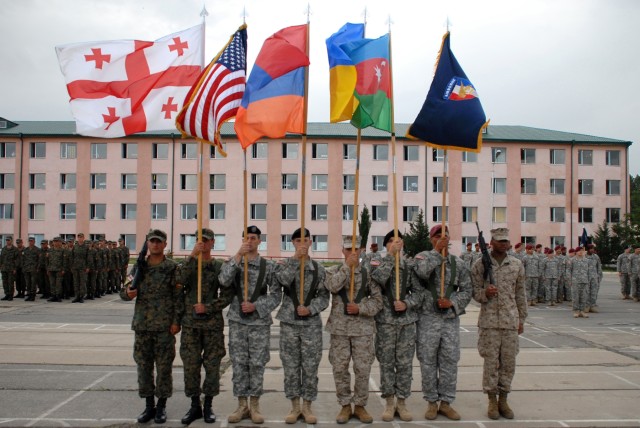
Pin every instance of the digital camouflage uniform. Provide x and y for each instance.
(352, 335)
(438, 331)
(551, 273)
(498, 321)
(467, 258)
(579, 269)
(531, 264)
(595, 276)
(56, 259)
(8, 266)
(155, 310)
(202, 340)
(249, 335)
(30, 264)
(634, 266)
(371, 260)
(623, 266)
(79, 266)
(301, 339)
(396, 331)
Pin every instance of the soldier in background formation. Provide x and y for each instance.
(595, 277)
(635, 273)
(30, 266)
(623, 267)
(372, 259)
(580, 281)
(20, 281)
(8, 266)
(551, 274)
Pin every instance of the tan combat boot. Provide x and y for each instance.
(254, 409)
(448, 411)
(344, 415)
(390, 409)
(594, 309)
(361, 413)
(403, 412)
(308, 415)
(584, 315)
(503, 406)
(492, 411)
(242, 412)
(294, 413)
(432, 410)
(587, 309)
(576, 314)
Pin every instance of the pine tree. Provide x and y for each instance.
(364, 226)
(417, 239)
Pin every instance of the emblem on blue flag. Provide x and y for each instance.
(459, 89)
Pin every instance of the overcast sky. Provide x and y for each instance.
(566, 65)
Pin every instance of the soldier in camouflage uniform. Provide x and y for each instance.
(155, 323)
(80, 269)
(551, 272)
(531, 265)
(43, 276)
(202, 338)
(623, 267)
(438, 327)
(538, 252)
(8, 265)
(55, 269)
(595, 276)
(579, 268)
(503, 310)
(634, 266)
(396, 328)
(518, 253)
(301, 325)
(250, 323)
(101, 276)
(467, 255)
(92, 276)
(125, 254)
(563, 290)
(30, 261)
(67, 278)
(21, 285)
(352, 328)
(372, 259)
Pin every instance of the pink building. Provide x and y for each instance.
(544, 185)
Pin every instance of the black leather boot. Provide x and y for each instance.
(161, 411)
(209, 416)
(149, 411)
(194, 412)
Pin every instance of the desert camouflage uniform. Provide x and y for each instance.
(30, 262)
(249, 335)
(595, 276)
(624, 269)
(8, 265)
(579, 269)
(531, 264)
(498, 322)
(301, 338)
(551, 272)
(352, 335)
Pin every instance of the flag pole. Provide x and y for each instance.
(199, 216)
(246, 227)
(304, 159)
(444, 225)
(393, 156)
(355, 216)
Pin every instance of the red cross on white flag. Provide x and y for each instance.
(122, 87)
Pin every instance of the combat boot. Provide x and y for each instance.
(594, 309)
(448, 411)
(584, 315)
(432, 411)
(390, 409)
(307, 413)
(361, 413)
(254, 410)
(161, 411)
(149, 411)
(242, 412)
(403, 412)
(576, 314)
(207, 410)
(503, 406)
(492, 411)
(294, 413)
(344, 415)
(587, 309)
(194, 412)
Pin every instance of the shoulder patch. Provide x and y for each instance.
(280, 262)
(375, 263)
(419, 257)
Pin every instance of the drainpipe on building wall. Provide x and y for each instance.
(571, 198)
(426, 181)
(626, 180)
(18, 214)
(173, 186)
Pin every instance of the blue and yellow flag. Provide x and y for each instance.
(452, 116)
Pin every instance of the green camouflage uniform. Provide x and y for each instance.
(8, 266)
(30, 263)
(79, 266)
(55, 269)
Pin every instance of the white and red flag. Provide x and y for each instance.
(122, 87)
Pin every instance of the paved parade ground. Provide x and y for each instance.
(64, 364)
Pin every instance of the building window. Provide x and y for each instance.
(380, 183)
(289, 150)
(289, 212)
(220, 242)
(98, 181)
(214, 151)
(585, 157)
(36, 211)
(263, 243)
(7, 150)
(217, 211)
(68, 150)
(129, 150)
(128, 211)
(410, 213)
(259, 151)
(528, 186)
(499, 215)
(528, 214)
(468, 240)
(98, 150)
(158, 211)
(188, 211)
(188, 181)
(258, 181)
(410, 183)
(557, 186)
(379, 212)
(290, 181)
(67, 211)
(557, 240)
(349, 151)
(469, 214)
(469, 157)
(67, 181)
(613, 187)
(7, 181)
(470, 184)
(187, 242)
(37, 181)
(557, 214)
(319, 150)
(37, 150)
(129, 239)
(188, 151)
(319, 212)
(6, 212)
(499, 154)
(159, 181)
(319, 243)
(437, 214)
(499, 186)
(381, 152)
(286, 244)
(528, 240)
(438, 155)
(556, 156)
(585, 187)
(160, 151)
(98, 211)
(585, 215)
(349, 182)
(437, 184)
(258, 211)
(217, 181)
(129, 181)
(319, 181)
(347, 212)
(527, 156)
(613, 215)
(613, 157)
(411, 153)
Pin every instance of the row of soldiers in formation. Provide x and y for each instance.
(628, 267)
(390, 308)
(58, 270)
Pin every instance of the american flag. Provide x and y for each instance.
(217, 94)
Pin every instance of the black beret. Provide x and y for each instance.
(253, 230)
(298, 233)
(388, 237)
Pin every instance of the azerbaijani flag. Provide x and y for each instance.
(273, 101)
(342, 72)
(373, 85)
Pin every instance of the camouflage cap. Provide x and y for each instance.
(157, 234)
(19, 241)
(500, 234)
(347, 241)
(206, 234)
